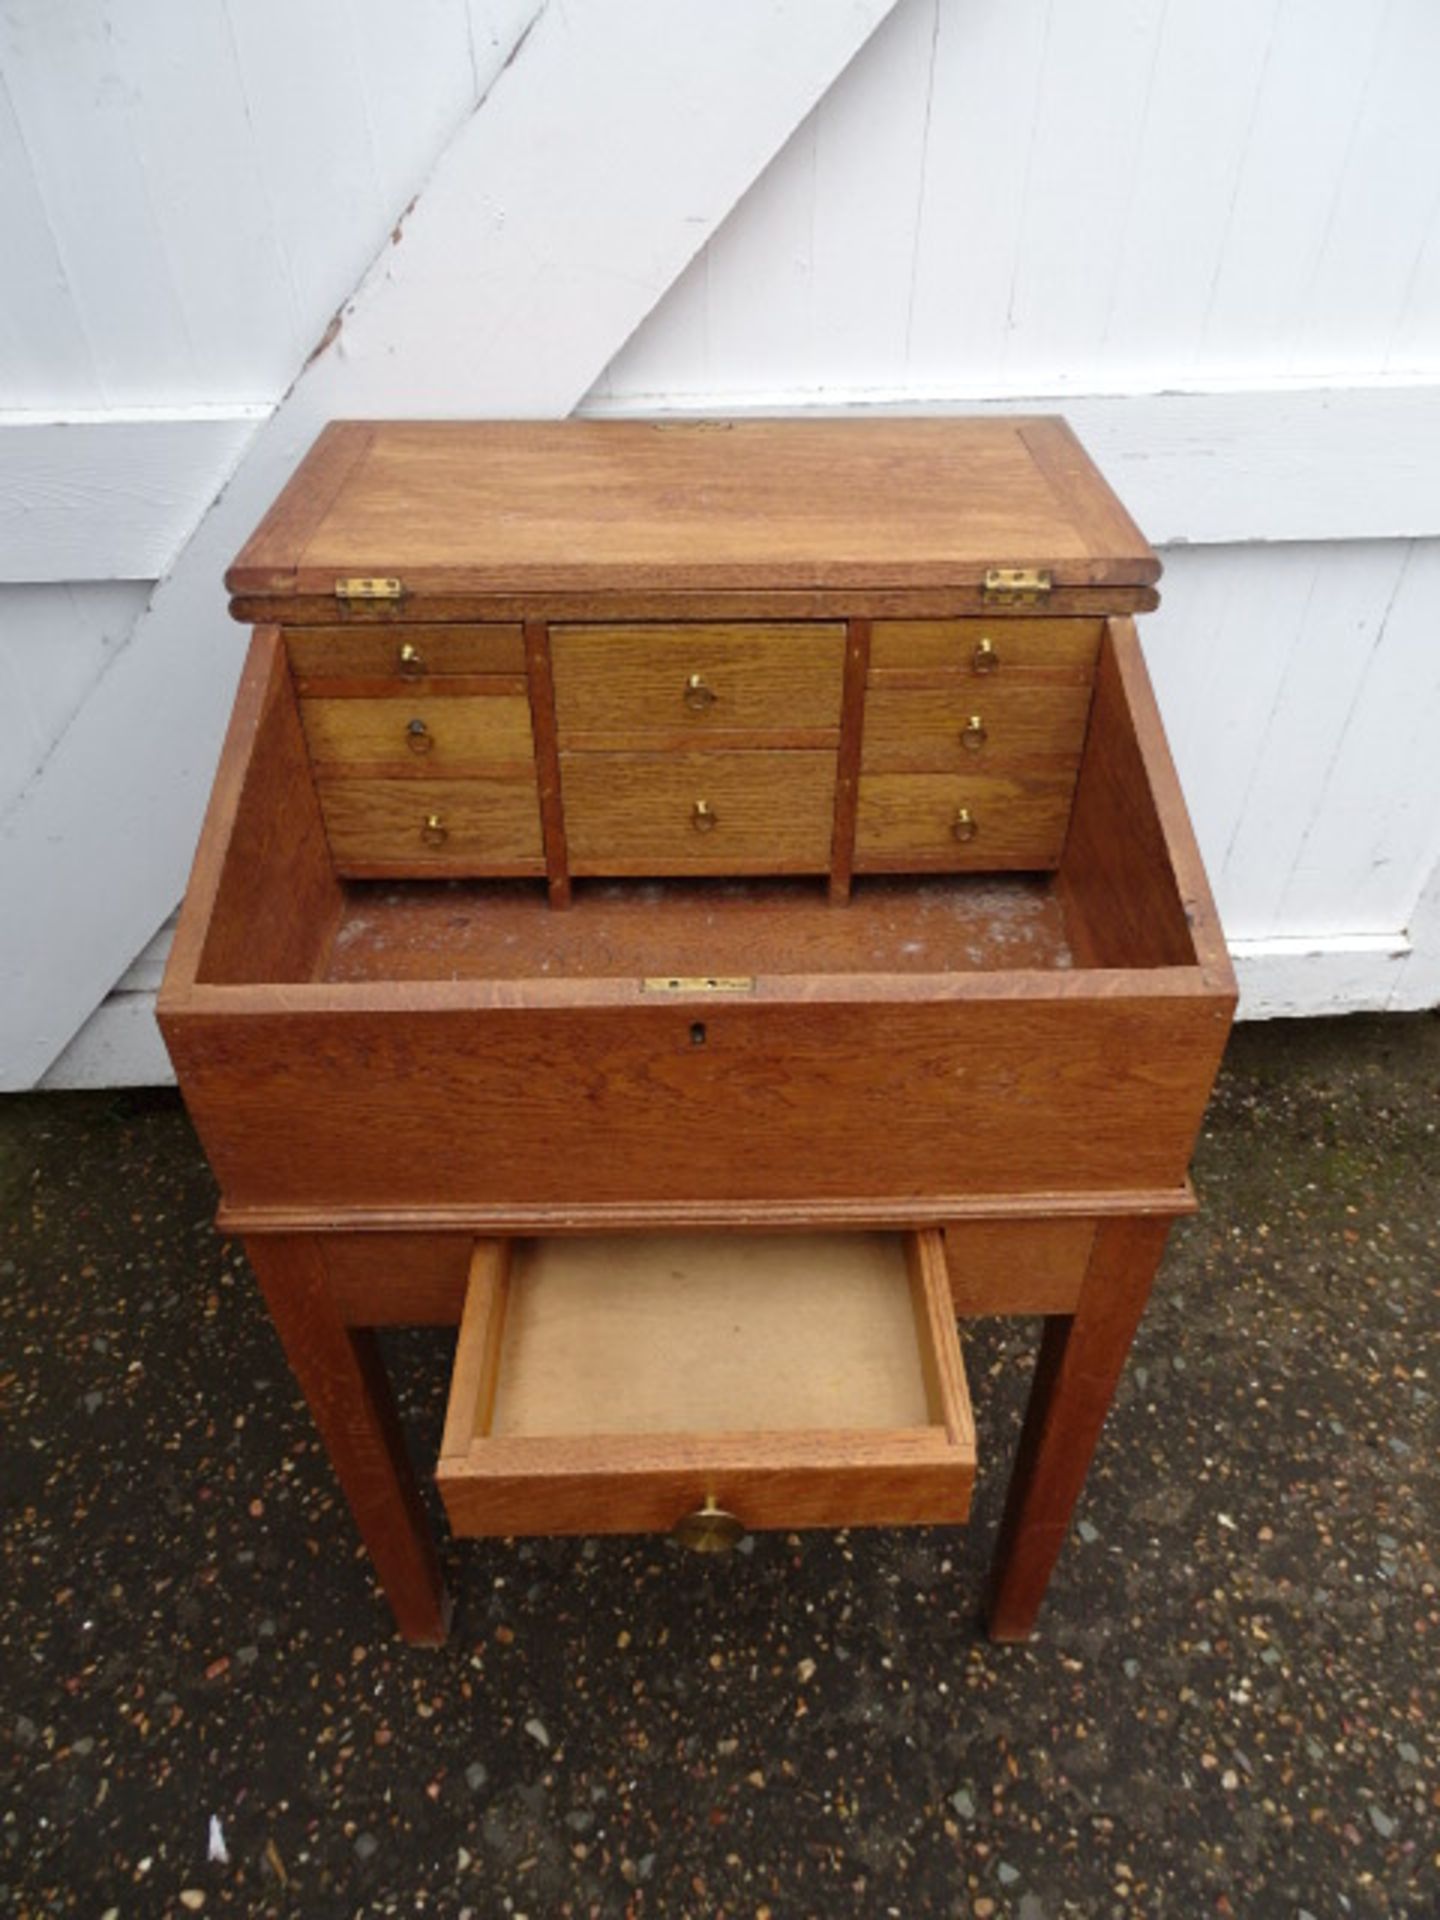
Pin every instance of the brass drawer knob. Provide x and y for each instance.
(434, 832)
(710, 1529)
(974, 734)
(703, 817)
(984, 659)
(418, 737)
(410, 661)
(698, 697)
(964, 826)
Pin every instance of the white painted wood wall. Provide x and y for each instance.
(1208, 230)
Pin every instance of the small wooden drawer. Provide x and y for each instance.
(716, 812)
(401, 655)
(471, 826)
(974, 728)
(988, 650)
(618, 686)
(421, 733)
(692, 1382)
(950, 821)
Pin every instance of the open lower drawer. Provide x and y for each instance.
(707, 1383)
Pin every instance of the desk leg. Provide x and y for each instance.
(343, 1378)
(1081, 1355)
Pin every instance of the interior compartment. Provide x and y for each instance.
(282, 915)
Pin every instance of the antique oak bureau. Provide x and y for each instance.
(698, 907)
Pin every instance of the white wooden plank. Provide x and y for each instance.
(43, 350)
(870, 177)
(76, 123)
(1312, 88)
(1147, 195)
(55, 642)
(779, 216)
(1309, 975)
(118, 1046)
(1096, 74)
(980, 122)
(1418, 984)
(1209, 66)
(189, 120)
(1376, 818)
(601, 160)
(113, 495)
(1346, 589)
(1367, 261)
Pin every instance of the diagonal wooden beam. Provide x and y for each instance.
(613, 144)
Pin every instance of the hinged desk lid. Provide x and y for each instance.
(411, 510)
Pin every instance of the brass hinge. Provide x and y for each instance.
(1016, 586)
(366, 587)
(699, 983)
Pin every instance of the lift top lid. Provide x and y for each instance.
(450, 509)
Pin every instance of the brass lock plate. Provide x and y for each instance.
(682, 983)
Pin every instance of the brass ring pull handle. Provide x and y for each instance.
(434, 832)
(703, 817)
(964, 826)
(984, 659)
(698, 697)
(418, 737)
(974, 734)
(710, 1529)
(410, 661)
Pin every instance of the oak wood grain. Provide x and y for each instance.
(1080, 1360)
(456, 507)
(263, 839)
(488, 820)
(910, 820)
(972, 728)
(937, 601)
(633, 1379)
(848, 760)
(989, 652)
(355, 651)
(343, 1378)
(541, 680)
(1017, 1266)
(768, 811)
(620, 686)
(420, 736)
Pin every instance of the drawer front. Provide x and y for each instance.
(477, 825)
(973, 728)
(619, 1385)
(988, 650)
(405, 654)
(717, 812)
(950, 822)
(421, 732)
(622, 685)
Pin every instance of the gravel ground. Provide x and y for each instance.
(1233, 1706)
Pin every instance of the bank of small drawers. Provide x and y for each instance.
(972, 739)
(697, 747)
(422, 746)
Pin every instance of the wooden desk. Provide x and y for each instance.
(696, 908)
